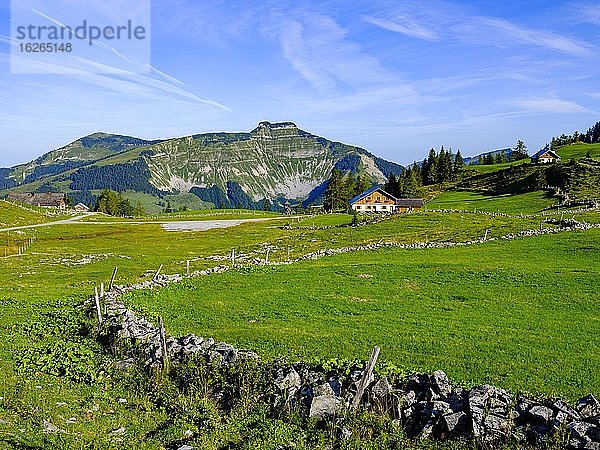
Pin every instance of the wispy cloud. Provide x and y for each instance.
(587, 13)
(318, 48)
(130, 82)
(552, 105)
(595, 95)
(546, 39)
(443, 21)
(405, 24)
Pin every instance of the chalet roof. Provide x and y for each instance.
(410, 202)
(550, 152)
(41, 199)
(370, 191)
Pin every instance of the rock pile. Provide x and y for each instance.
(147, 347)
(430, 407)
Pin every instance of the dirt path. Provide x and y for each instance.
(45, 224)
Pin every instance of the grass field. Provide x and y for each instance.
(529, 203)
(203, 214)
(487, 313)
(14, 215)
(578, 151)
(486, 168)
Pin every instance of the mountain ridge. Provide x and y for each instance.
(273, 161)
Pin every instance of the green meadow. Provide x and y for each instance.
(528, 203)
(484, 313)
(521, 314)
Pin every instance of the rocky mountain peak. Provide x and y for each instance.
(269, 130)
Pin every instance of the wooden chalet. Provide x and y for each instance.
(44, 200)
(376, 200)
(545, 157)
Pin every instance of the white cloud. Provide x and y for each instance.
(552, 105)
(318, 48)
(403, 23)
(595, 95)
(539, 38)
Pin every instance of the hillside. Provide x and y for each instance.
(78, 153)
(277, 161)
(575, 177)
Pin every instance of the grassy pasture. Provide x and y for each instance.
(486, 168)
(318, 304)
(14, 215)
(528, 203)
(484, 313)
(578, 151)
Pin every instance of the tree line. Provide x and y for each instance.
(342, 187)
(591, 136)
(114, 204)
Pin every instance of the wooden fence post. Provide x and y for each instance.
(486, 235)
(233, 257)
(112, 279)
(101, 290)
(157, 273)
(366, 378)
(163, 342)
(98, 310)
(187, 267)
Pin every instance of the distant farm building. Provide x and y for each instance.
(80, 207)
(409, 204)
(376, 200)
(44, 200)
(545, 157)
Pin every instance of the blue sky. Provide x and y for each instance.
(394, 77)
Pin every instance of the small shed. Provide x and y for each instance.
(80, 207)
(409, 204)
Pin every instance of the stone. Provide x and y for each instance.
(489, 407)
(324, 406)
(456, 423)
(355, 375)
(323, 389)
(381, 389)
(426, 432)
(440, 408)
(588, 407)
(440, 383)
(287, 379)
(336, 385)
(186, 447)
(50, 428)
(579, 438)
(541, 414)
(125, 364)
(407, 399)
(565, 408)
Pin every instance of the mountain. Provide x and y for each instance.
(475, 159)
(277, 161)
(78, 153)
